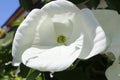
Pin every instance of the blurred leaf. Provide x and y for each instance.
(27, 4)
(46, 1)
(18, 22)
(5, 77)
(18, 78)
(24, 71)
(38, 77)
(93, 3)
(114, 4)
(2, 33)
(7, 39)
(78, 1)
(29, 74)
(33, 75)
(2, 69)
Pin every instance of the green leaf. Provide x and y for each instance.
(27, 4)
(1, 69)
(38, 77)
(5, 77)
(24, 71)
(93, 3)
(78, 1)
(114, 4)
(18, 22)
(46, 1)
(2, 33)
(7, 40)
(18, 78)
(34, 75)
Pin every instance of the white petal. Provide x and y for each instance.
(45, 32)
(110, 22)
(54, 59)
(113, 72)
(25, 35)
(59, 7)
(62, 24)
(94, 36)
(111, 25)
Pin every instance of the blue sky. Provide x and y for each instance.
(7, 8)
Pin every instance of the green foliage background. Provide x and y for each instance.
(91, 69)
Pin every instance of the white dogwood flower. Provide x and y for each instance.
(110, 21)
(53, 37)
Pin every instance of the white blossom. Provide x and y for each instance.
(53, 37)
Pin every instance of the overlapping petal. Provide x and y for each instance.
(95, 39)
(110, 22)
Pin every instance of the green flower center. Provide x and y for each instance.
(61, 39)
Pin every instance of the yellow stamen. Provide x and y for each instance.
(61, 39)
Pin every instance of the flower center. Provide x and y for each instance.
(61, 39)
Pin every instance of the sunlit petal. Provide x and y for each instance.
(53, 59)
(25, 35)
(59, 7)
